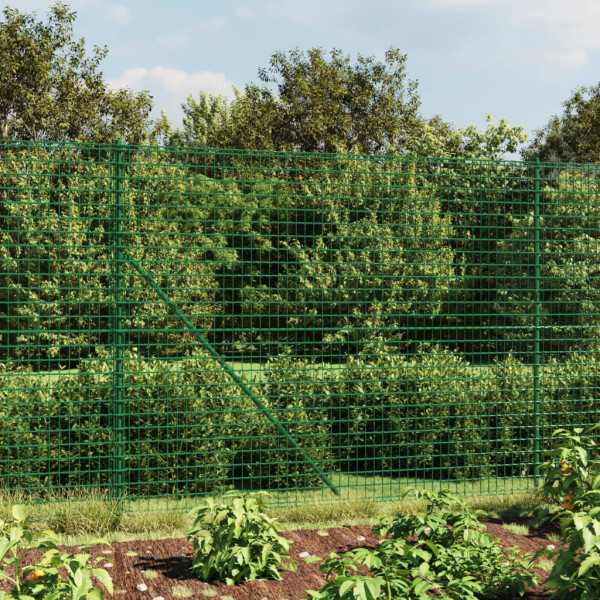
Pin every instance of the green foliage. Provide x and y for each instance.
(236, 541)
(50, 89)
(346, 252)
(403, 415)
(569, 289)
(43, 579)
(441, 140)
(569, 472)
(324, 263)
(572, 136)
(292, 391)
(208, 122)
(56, 256)
(315, 103)
(190, 429)
(177, 427)
(451, 557)
(570, 476)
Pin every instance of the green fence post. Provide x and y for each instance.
(536, 324)
(117, 408)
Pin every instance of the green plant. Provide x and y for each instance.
(576, 572)
(516, 528)
(236, 541)
(545, 564)
(149, 574)
(568, 472)
(180, 591)
(43, 580)
(452, 557)
(570, 477)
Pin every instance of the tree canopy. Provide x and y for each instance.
(573, 136)
(51, 89)
(312, 102)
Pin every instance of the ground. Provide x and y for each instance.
(163, 565)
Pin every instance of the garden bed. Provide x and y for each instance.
(163, 565)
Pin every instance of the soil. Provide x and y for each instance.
(168, 560)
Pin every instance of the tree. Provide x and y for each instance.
(575, 135)
(314, 103)
(208, 121)
(440, 139)
(51, 90)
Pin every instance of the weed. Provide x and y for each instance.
(149, 574)
(180, 591)
(516, 528)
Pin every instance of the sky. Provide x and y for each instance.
(514, 59)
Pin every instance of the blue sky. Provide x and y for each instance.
(514, 59)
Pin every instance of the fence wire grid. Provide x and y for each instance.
(176, 322)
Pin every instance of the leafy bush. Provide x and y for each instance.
(56, 253)
(569, 286)
(452, 557)
(236, 541)
(292, 390)
(571, 477)
(175, 436)
(408, 416)
(43, 579)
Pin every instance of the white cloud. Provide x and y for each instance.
(176, 41)
(212, 26)
(244, 13)
(171, 87)
(118, 13)
(575, 23)
(547, 39)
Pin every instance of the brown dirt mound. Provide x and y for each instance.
(170, 559)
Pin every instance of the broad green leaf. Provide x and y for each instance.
(346, 586)
(103, 576)
(18, 512)
(588, 562)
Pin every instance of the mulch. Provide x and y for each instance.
(170, 560)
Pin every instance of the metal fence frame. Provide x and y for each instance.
(281, 231)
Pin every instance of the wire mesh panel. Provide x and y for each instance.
(55, 308)
(179, 321)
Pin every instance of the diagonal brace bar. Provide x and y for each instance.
(228, 369)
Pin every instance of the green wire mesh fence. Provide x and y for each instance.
(175, 322)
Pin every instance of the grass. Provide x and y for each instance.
(90, 514)
(545, 565)
(149, 574)
(516, 528)
(554, 537)
(180, 591)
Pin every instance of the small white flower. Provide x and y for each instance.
(550, 546)
(361, 538)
